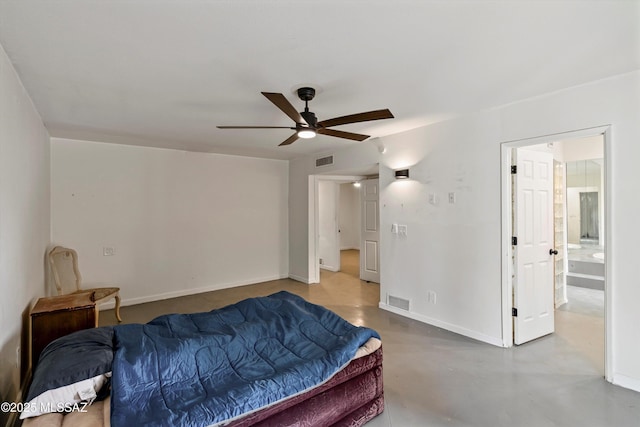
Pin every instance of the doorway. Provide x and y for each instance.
(350, 262)
(338, 221)
(349, 224)
(324, 203)
(567, 298)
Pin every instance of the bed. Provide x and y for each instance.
(270, 361)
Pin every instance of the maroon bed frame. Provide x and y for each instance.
(350, 398)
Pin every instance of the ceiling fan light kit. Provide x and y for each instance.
(306, 122)
(307, 133)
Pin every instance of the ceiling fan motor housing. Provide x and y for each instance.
(310, 118)
(306, 93)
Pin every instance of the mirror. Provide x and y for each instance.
(584, 202)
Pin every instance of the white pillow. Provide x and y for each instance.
(64, 398)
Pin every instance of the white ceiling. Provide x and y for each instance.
(165, 73)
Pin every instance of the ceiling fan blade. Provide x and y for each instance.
(355, 118)
(254, 127)
(293, 138)
(283, 104)
(342, 134)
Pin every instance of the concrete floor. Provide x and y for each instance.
(433, 377)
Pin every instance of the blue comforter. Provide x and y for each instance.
(207, 368)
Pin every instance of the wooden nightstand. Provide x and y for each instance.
(53, 317)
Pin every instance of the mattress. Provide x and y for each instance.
(353, 396)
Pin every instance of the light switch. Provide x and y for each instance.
(107, 251)
(394, 228)
(402, 230)
(452, 197)
(433, 199)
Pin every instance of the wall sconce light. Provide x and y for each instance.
(402, 174)
(356, 184)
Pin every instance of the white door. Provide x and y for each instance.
(370, 232)
(533, 282)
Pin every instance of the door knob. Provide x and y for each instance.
(553, 252)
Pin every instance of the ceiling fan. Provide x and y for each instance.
(307, 124)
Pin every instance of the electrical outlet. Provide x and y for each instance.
(321, 261)
(452, 198)
(108, 251)
(402, 230)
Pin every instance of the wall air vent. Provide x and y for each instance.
(398, 302)
(324, 161)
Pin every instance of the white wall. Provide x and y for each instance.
(303, 175)
(455, 250)
(179, 222)
(580, 149)
(24, 221)
(349, 216)
(452, 250)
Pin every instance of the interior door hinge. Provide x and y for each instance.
(514, 169)
(514, 312)
(514, 241)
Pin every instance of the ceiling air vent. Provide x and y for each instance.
(324, 161)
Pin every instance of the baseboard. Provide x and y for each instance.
(300, 279)
(329, 268)
(626, 382)
(561, 302)
(444, 325)
(185, 292)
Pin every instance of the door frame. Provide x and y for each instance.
(314, 228)
(507, 222)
